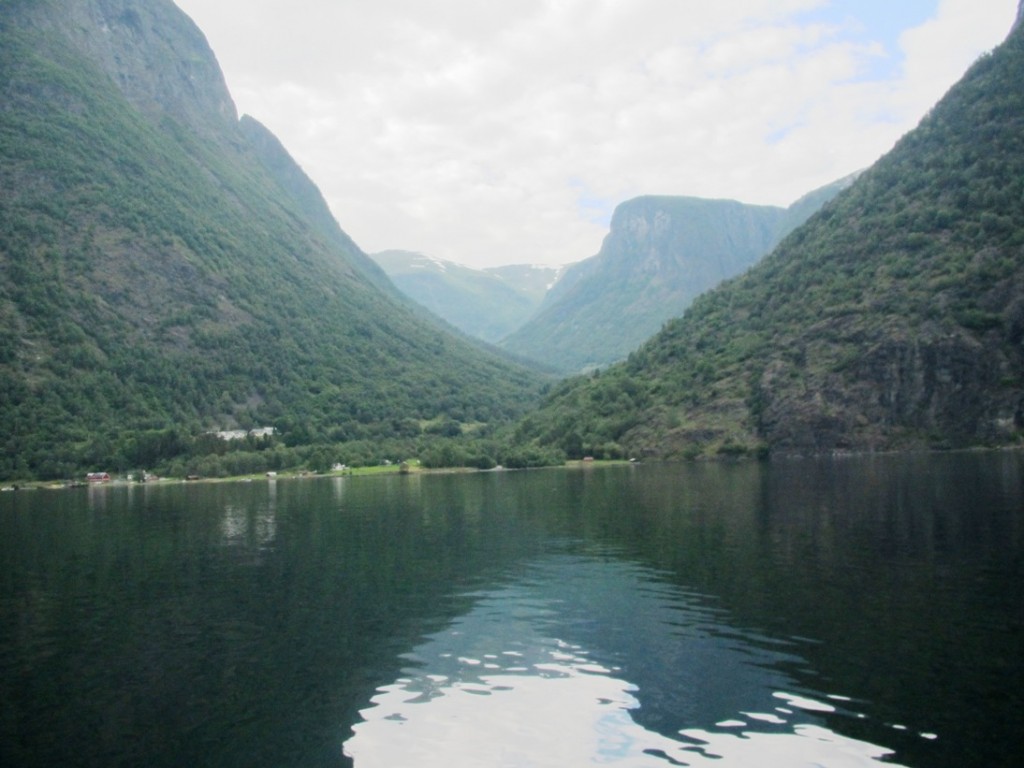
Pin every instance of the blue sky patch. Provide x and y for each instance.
(876, 21)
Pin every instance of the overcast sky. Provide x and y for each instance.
(493, 132)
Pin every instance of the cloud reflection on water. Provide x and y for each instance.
(553, 669)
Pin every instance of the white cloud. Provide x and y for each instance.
(938, 52)
(490, 133)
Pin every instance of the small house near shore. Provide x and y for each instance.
(241, 434)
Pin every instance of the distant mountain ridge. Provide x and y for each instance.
(661, 252)
(485, 303)
(892, 319)
(167, 269)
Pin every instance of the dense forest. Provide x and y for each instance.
(166, 271)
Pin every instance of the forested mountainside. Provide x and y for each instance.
(487, 304)
(893, 319)
(163, 270)
(661, 253)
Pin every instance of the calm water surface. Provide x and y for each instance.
(830, 613)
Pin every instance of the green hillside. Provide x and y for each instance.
(893, 319)
(661, 253)
(160, 276)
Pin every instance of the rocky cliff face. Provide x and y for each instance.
(155, 54)
(660, 253)
(925, 389)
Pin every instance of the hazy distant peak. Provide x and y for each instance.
(648, 205)
(440, 264)
(486, 303)
(395, 259)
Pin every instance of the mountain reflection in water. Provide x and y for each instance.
(573, 661)
(835, 612)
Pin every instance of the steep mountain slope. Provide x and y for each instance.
(487, 304)
(808, 205)
(660, 254)
(306, 196)
(159, 273)
(894, 318)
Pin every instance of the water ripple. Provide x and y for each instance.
(545, 672)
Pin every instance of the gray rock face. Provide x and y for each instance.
(903, 392)
(153, 52)
(660, 253)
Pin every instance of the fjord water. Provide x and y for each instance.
(834, 612)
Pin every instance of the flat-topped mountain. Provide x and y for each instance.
(661, 253)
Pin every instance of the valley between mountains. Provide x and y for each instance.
(168, 273)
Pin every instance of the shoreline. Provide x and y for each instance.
(374, 471)
(414, 468)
